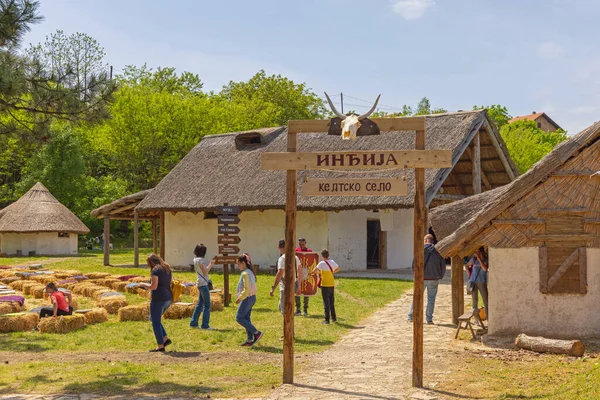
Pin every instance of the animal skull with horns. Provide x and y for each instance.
(351, 123)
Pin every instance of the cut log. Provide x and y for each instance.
(542, 345)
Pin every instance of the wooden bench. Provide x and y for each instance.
(466, 319)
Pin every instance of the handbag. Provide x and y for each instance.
(208, 283)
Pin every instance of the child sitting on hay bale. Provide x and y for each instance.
(61, 302)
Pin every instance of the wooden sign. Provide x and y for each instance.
(228, 219)
(229, 229)
(229, 249)
(225, 260)
(356, 160)
(228, 239)
(355, 187)
(228, 210)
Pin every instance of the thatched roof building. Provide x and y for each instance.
(121, 208)
(226, 168)
(39, 211)
(513, 215)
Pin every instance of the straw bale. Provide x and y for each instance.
(44, 278)
(179, 311)
(9, 280)
(38, 291)
(74, 303)
(112, 304)
(6, 273)
(216, 301)
(62, 324)
(18, 284)
(107, 282)
(27, 286)
(191, 291)
(18, 323)
(119, 286)
(67, 273)
(132, 290)
(8, 307)
(138, 312)
(139, 279)
(97, 275)
(96, 316)
(145, 293)
(98, 292)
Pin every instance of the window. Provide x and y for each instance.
(210, 215)
(63, 234)
(250, 139)
(563, 270)
(539, 124)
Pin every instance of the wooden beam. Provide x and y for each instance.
(106, 234)
(356, 160)
(384, 124)
(154, 237)
(136, 240)
(419, 254)
(543, 267)
(449, 197)
(476, 165)
(580, 237)
(355, 187)
(484, 176)
(567, 174)
(457, 288)
(290, 260)
(162, 235)
(457, 184)
(518, 222)
(564, 211)
(562, 269)
(123, 208)
(582, 270)
(507, 165)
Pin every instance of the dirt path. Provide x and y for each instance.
(374, 361)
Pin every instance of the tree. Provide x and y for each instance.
(423, 108)
(16, 18)
(527, 144)
(498, 113)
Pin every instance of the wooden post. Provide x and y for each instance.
(106, 240)
(226, 284)
(154, 237)
(136, 239)
(419, 254)
(162, 235)
(457, 289)
(476, 164)
(290, 257)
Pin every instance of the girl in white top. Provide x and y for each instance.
(202, 279)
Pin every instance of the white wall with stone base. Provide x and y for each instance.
(43, 243)
(517, 305)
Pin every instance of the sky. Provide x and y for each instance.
(528, 55)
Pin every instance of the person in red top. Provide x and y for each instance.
(302, 249)
(61, 302)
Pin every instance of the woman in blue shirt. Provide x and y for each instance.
(479, 274)
(160, 300)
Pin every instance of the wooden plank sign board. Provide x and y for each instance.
(228, 239)
(228, 210)
(355, 187)
(229, 249)
(357, 160)
(225, 259)
(228, 219)
(229, 229)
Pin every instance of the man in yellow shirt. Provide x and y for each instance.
(326, 269)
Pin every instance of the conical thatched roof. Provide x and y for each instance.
(559, 181)
(39, 211)
(226, 168)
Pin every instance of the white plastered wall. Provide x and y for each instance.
(43, 243)
(260, 233)
(517, 305)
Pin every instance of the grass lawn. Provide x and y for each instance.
(227, 370)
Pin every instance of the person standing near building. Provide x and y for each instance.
(302, 249)
(434, 271)
(161, 298)
(281, 274)
(478, 280)
(202, 280)
(326, 269)
(246, 298)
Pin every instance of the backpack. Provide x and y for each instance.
(176, 289)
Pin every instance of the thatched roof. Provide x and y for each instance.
(121, 208)
(39, 211)
(559, 181)
(226, 168)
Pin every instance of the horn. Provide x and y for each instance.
(335, 111)
(365, 115)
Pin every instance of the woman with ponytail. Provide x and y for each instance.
(160, 298)
(246, 298)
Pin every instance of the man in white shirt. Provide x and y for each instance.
(281, 274)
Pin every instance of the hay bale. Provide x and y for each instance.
(138, 312)
(27, 286)
(63, 324)
(9, 280)
(38, 291)
(132, 288)
(97, 275)
(96, 316)
(67, 273)
(9, 307)
(112, 304)
(179, 311)
(145, 293)
(99, 292)
(216, 301)
(139, 279)
(18, 323)
(106, 282)
(74, 303)
(192, 291)
(6, 273)
(44, 278)
(18, 284)
(119, 286)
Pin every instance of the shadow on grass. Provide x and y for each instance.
(183, 354)
(33, 343)
(315, 342)
(268, 349)
(555, 394)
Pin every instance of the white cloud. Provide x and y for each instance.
(412, 9)
(551, 50)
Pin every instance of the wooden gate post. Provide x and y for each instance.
(136, 239)
(457, 289)
(290, 258)
(154, 237)
(106, 240)
(419, 254)
(162, 235)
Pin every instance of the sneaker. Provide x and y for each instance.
(325, 322)
(257, 336)
(297, 312)
(305, 314)
(246, 344)
(334, 321)
(430, 323)
(207, 329)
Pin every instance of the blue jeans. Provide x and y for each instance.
(203, 306)
(432, 288)
(157, 309)
(242, 316)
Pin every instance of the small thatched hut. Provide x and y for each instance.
(360, 232)
(38, 224)
(543, 236)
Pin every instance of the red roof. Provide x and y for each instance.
(533, 117)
